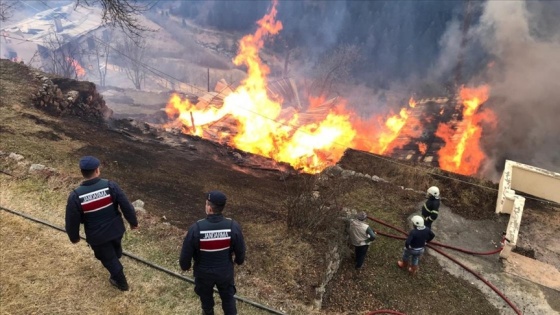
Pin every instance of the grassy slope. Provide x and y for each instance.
(279, 257)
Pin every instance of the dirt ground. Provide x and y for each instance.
(171, 172)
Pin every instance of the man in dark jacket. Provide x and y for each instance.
(95, 203)
(211, 242)
(414, 244)
(430, 209)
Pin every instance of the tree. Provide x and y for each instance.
(61, 57)
(7, 7)
(122, 13)
(132, 50)
(101, 52)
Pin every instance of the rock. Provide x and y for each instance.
(316, 194)
(138, 204)
(333, 171)
(15, 156)
(375, 178)
(37, 167)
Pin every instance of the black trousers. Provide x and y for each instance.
(109, 254)
(428, 223)
(361, 252)
(204, 287)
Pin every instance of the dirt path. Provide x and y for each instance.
(485, 235)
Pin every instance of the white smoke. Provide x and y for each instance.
(524, 44)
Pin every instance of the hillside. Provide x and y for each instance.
(292, 238)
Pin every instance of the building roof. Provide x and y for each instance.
(69, 21)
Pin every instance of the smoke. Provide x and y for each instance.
(524, 43)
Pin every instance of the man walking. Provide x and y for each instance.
(361, 235)
(95, 203)
(414, 245)
(211, 242)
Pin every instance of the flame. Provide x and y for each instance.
(422, 147)
(411, 102)
(462, 153)
(80, 71)
(262, 128)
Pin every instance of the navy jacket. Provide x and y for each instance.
(103, 225)
(418, 238)
(211, 242)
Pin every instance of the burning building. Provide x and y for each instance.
(266, 117)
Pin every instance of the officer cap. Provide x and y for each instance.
(216, 197)
(89, 163)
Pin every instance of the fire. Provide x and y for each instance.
(259, 127)
(462, 153)
(257, 124)
(80, 71)
(411, 102)
(422, 147)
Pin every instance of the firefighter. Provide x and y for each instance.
(361, 235)
(95, 203)
(211, 242)
(431, 206)
(414, 245)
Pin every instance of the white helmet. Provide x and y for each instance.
(433, 191)
(417, 221)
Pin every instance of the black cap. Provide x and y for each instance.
(89, 163)
(216, 197)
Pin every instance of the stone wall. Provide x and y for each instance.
(61, 97)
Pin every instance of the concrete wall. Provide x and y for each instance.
(528, 179)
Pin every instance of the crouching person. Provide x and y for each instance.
(414, 245)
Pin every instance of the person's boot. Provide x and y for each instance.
(402, 264)
(413, 270)
(119, 281)
(208, 312)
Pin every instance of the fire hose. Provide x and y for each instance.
(148, 263)
(453, 260)
(263, 307)
(492, 252)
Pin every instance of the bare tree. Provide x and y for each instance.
(61, 57)
(122, 13)
(132, 51)
(6, 9)
(101, 53)
(335, 67)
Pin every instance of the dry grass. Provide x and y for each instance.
(49, 275)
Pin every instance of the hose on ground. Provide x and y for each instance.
(148, 263)
(453, 260)
(466, 251)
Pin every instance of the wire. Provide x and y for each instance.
(161, 75)
(146, 262)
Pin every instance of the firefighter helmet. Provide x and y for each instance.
(433, 191)
(417, 221)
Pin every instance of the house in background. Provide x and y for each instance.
(60, 40)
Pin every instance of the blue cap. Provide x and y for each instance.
(89, 163)
(216, 197)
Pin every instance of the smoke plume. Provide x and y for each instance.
(524, 42)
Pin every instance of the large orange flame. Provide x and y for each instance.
(462, 153)
(261, 127)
